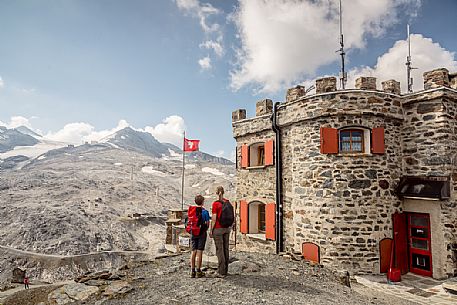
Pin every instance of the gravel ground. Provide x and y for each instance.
(278, 280)
(253, 279)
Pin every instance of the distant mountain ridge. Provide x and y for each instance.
(11, 138)
(127, 139)
(144, 142)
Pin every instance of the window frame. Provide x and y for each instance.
(351, 130)
(256, 150)
(261, 218)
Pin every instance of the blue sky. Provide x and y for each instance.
(98, 62)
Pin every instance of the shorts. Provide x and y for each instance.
(198, 242)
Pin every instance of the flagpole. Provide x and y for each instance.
(183, 158)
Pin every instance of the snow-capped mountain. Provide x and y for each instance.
(139, 141)
(21, 145)
(144, 142)
(28, 131)
(11, 138)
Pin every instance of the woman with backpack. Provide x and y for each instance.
(221, 222)
(197, 225)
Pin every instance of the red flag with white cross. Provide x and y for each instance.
(190, 145)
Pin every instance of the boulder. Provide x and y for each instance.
(117, 288)
(71, 293)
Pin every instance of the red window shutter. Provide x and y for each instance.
(244, 220)
(269, 155)
(329, 140)
(270, 221)
(377, 140)
(244, 156)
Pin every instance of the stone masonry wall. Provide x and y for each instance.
(430, 149)
(256, 184)
(337, 201)
(344, 203)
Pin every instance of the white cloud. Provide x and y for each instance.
(16, 121)
(201, 10)
(2, 84)
(169, 131)
(219, 153)
(213, 45)
(71, 133)
(426, 55)
(286, 40)
(79, 133)
(205, 63)
(204, 12)
(98, 135)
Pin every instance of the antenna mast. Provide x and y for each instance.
(408, 63)
(343, 74)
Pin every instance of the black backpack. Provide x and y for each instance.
(227, 216)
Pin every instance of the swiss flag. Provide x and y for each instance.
(191, 145)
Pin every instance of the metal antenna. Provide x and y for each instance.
(343, 74)
(408, 63)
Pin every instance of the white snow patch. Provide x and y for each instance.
(122, 137)
(213, 171)
(41, 157)
(80, 157)
(174, 153)
(231, 175)
(196, 185)
(189, 166)
(33, 151)
(118, 164)
(150, 170)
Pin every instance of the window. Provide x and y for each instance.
(351, 141)
(257, 154)
(258, 219)
(262, 218)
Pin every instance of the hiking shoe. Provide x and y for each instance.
(200, 274)
(192, 274)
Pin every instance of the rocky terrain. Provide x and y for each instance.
(104, 197)
(253, 279)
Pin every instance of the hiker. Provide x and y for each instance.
(197, 226)
(26, 282)
(221, 221)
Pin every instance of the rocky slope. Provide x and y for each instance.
(253, 279)
(80, 200)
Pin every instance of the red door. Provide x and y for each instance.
(400, 244)
(420, 250)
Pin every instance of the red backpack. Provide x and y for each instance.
(193, 221)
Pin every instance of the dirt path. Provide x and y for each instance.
(43, 255)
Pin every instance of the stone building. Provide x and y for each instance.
(344, 176)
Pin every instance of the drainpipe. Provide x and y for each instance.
(278, 163)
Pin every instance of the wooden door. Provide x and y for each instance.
(400, 259)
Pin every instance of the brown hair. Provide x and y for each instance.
(199, 199)
(220, 190)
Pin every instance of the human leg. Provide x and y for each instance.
(220, 253)
(226, 239)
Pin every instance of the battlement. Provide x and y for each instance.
(326, 88)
